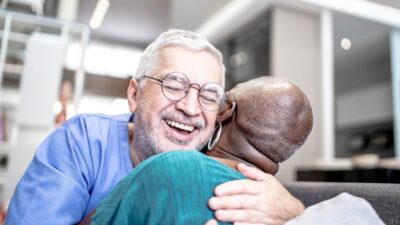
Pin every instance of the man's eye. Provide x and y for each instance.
(208, 99)
(173, 88)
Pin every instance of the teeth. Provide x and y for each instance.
(180, 126)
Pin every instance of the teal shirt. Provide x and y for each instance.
(168, 188)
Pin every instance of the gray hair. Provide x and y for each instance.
(182, 38)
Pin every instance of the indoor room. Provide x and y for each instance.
(62, 60)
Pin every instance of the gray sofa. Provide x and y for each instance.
(384, 198)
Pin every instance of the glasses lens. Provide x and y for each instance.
(211, 96)
(174, 86)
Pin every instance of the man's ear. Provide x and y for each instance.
(132, 94)
(226, 112)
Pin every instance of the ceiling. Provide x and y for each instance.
(137, 22)
(391, 3)
(128, 21)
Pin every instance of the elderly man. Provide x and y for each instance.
(175, 97)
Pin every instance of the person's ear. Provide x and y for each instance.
(226, 112)
(132, 94)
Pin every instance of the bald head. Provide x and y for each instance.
(273, 115)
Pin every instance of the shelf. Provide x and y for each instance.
(9, 99)
(2, 177)
(17, 37)
(13, 68)
(5, 148)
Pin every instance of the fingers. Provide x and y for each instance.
(211, 222)
(261, 199)
(238, 187)
(251, 172)
(245, 223)
(233, 202)
(248, 216)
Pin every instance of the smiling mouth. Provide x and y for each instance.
(179, 126)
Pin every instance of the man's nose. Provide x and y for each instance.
(190, 103)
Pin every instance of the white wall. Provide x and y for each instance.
(295, 55)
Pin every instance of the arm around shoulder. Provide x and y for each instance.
(261, 199)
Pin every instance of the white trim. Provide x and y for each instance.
(80, 72)
(395, 57)
(4, 46)
(328, 125)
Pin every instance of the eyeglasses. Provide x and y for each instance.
(175, 86)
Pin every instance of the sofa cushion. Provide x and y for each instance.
(384, 198)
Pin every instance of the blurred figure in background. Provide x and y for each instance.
(64, 106)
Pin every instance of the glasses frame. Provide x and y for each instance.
(199, 88)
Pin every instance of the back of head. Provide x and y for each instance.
(178, 38)
(273, 115)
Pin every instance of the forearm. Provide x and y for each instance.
(261, 199)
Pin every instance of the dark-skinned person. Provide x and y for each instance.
(264, 120)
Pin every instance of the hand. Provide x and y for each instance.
(261, 199)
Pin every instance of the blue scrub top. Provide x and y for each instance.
(74, 168)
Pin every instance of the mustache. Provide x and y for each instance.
(179, 116)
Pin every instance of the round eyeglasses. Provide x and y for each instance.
(175, 86)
